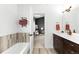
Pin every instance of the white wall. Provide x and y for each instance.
(10, 14)
(72, 18)
(25, 10)
(8, 17)
(75, 18)
(50, 19)
(53, 14)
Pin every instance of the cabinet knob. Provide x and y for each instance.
(72, 52)
(72, 45)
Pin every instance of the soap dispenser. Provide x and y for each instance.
(74, 31)
(69, 32)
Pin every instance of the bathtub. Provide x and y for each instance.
(18, 48)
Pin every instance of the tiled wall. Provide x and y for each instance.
(11, 39)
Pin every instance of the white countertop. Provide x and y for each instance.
(74, 37)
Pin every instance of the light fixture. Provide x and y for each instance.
(68, 10)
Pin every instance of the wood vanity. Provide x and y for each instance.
(66, 44)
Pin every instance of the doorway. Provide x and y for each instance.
(39, 19)
(39, 26)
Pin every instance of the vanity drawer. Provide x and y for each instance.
(76, 47)
(70, 46)
(64, 46)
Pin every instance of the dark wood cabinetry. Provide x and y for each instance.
(64, 46)
(58, 44)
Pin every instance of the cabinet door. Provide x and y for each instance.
(70, 47)
(58, 43)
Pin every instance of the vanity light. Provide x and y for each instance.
(68, 10)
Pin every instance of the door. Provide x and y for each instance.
(39, 19)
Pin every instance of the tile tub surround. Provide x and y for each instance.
(11, 39)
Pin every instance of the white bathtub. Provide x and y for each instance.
(19, 48)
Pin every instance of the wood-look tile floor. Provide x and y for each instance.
(39, 46)
(44, 51)
(39, 41)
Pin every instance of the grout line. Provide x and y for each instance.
(39, 51)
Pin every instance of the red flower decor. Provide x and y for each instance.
(67, 27)
(23, 22)
(57, 27)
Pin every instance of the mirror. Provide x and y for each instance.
(71, 16)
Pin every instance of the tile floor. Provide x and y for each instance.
(39, 46)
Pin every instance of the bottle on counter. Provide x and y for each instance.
(74, 31)
(62, 31)
(69, 32)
